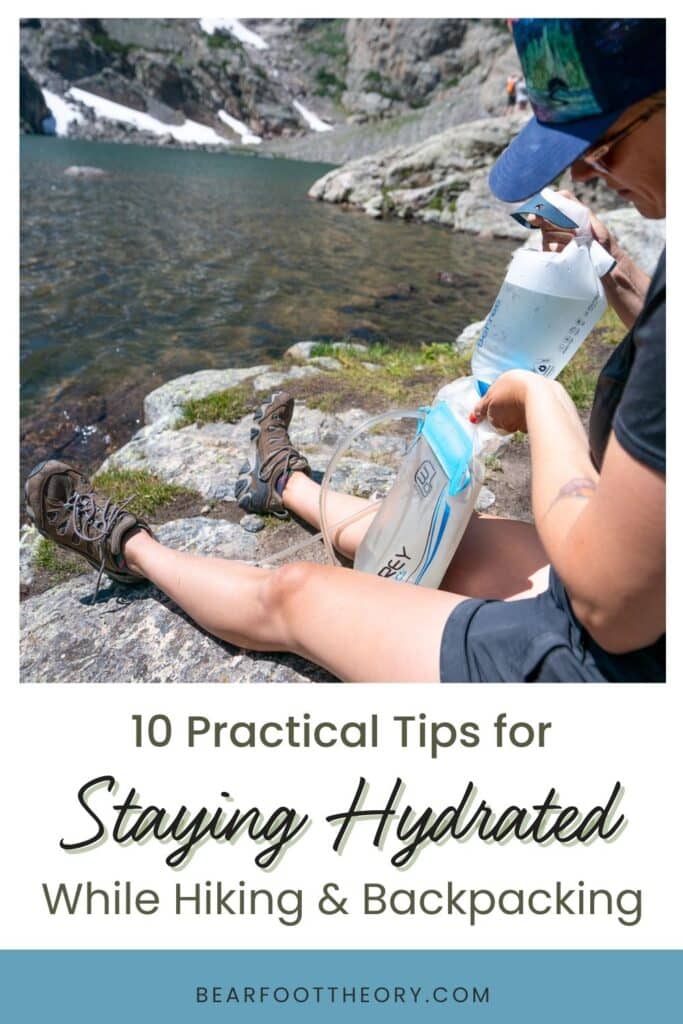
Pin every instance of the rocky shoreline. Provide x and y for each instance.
(136, 634)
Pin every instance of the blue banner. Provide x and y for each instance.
(426, 985)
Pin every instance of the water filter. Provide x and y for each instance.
(547, 305)
(549, 301)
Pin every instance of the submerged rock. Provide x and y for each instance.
(76, 171)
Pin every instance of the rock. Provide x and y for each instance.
(29, 538)
(205, 459)
(76, 171)
(33, 110)
(272, 380)
(303, 349)
(443, 178)
(467, 339)
(166, 402)
(400, 62)
(485, 499)
(353, 346)
(300, 350)
(137, 635)
(252, 524)
(642, 239)
(326, 363)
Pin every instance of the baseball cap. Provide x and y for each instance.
(581, 75)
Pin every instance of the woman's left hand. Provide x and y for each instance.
(504, 404)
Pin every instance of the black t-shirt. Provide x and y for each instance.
(630, 398)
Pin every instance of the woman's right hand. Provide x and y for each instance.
(625, 285)
(554, 239)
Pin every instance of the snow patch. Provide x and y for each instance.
(235, 28)
(312, 120)
(238, 126)
(63, 113)
(189, 131)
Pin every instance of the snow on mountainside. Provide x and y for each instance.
(223, 81)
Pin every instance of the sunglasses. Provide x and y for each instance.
(595, 157)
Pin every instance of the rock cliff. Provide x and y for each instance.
(344, 71)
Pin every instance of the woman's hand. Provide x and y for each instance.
(626, 284)
(554, 239)
(504, 404)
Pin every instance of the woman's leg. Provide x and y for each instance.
(359, 627)
(301, 495)
(496, 558)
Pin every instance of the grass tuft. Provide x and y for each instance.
(149, 492)
(227, 406)
(59, 563)
(383, 376)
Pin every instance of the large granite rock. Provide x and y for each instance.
(398, 63)
(443, 179)
(137, 635)
(358, 70)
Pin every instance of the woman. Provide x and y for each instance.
(580, 596)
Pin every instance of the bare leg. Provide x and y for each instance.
(496, 558)
(302, 496)
(335, 617)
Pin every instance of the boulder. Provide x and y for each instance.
(443, 178)
(467, 338)
(166, 402)
(76, 171)
(137, 635)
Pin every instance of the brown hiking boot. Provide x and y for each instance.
(272, 458)
(64, 507)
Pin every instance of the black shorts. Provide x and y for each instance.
(536, 639)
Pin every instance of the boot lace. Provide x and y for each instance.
(93, 523)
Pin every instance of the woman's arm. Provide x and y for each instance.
(604, 534)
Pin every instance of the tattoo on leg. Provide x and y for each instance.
(579, 487)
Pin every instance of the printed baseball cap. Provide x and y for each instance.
(581, 75)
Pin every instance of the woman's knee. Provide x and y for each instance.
(283, 594)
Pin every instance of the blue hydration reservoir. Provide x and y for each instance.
(420, 522)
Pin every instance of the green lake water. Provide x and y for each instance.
(177, 261)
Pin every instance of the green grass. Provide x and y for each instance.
(148, 491)
(223, 40)
(399, 376)
(329, 40)
(227, 406)
(579, 383)
(111, 46)
(609, 329)
(328, 84)
(59, 563)
(493, 464)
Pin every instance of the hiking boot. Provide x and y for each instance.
(273, 458)
(64, 507)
